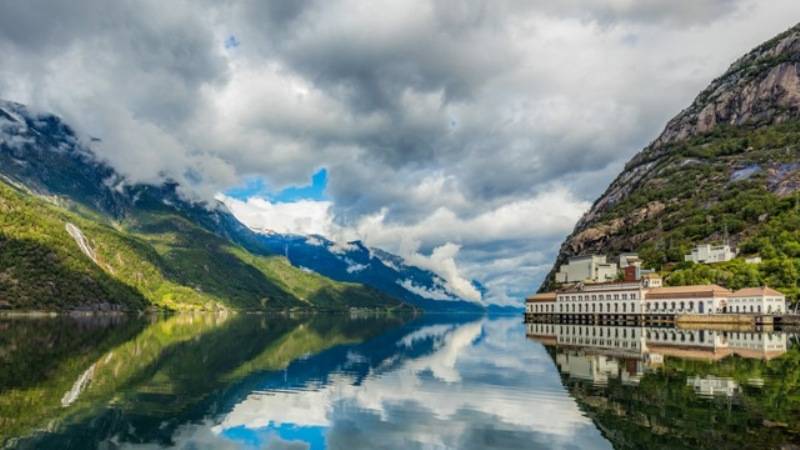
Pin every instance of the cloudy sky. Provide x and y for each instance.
(467, 136)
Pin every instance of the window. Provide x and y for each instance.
(633, 296)
(673, 305)
(624, 296)
(682, 306)
(624, 307)
(616, 296)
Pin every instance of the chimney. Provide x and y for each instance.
(630, 274)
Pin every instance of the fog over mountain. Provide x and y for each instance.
(466, 136)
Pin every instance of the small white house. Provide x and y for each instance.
(707, 253)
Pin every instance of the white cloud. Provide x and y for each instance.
(422, 291)
(304, 217)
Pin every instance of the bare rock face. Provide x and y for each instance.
(761, 88)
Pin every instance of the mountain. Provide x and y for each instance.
(73, 236)
(355, 262)
(725, 168)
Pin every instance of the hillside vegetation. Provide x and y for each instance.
(149, 259)
(727, 168)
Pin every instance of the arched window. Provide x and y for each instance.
(682, 306)
(624, 307)
(673, 306)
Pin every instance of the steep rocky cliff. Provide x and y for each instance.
(723, 168)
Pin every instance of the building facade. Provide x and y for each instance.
(648, 297)
(591, 268)
(758, 300)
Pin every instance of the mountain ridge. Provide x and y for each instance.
(73, 236)
(724, 168)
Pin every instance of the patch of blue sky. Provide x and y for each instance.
(257, 187)
(232, 42)
(314, 436)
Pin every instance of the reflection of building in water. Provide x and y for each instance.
(599, 368)
(653, 343)
(711, 386)
(599, 353)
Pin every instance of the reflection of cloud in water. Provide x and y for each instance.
(424, 333)
(496, 387)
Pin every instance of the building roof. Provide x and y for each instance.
(756, 292)
(542, 297)
(696, 291)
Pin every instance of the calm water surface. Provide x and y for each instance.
(249, 381)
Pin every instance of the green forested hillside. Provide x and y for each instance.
(149, 259)
(728, 189)
(725, 169)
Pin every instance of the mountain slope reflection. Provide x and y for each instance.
(314, 382)
(672, 388)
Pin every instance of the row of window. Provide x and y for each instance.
(581, 308)
(601, 297)
(738, 339)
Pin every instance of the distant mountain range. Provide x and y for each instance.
(355, 262)
(130, 246)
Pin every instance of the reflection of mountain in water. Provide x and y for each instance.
(314, 382)
(141, 389)
(670, 388)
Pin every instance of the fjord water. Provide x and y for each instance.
(348, 382)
